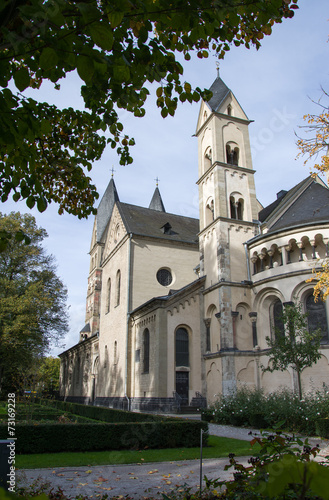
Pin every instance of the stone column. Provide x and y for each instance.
(234, 316)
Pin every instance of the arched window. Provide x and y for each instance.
(317, 317)
(276, 312)
(229, 110)
(236, 208)
(118, 285)
(108, 298)
(182, 347)
(146, 351)
(232, 153)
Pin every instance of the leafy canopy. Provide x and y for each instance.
(33, 311)
(117, 47)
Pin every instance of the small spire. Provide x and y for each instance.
(112, 170)
(217, 67)
(157, 181)
(156, 202)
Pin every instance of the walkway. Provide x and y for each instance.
(137, 481)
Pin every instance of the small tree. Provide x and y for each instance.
(297, 347)
(49, 374)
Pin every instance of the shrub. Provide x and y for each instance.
(256, 409)
(57, 437)
(322, 427)
(283, 469)
(109, 415)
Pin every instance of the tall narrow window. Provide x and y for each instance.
(118, 285)
(77, 374)
(146, 351)
(108, 298)
(115, 352)
(317, 317)
(182, 347)
(276, 319)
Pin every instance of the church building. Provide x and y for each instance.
(178, 309)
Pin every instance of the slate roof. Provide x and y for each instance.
(171, 295)
(219, 92)
(156, 202)
(312, 206)
(86, 328)
(307, 202)
(153, 223)
(263, 214)
(105, 208)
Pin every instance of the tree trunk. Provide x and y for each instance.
(299, 383)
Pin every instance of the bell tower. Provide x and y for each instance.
(228, 218)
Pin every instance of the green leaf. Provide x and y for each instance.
(89, 11)
(45, 127)
(102, 35)
(22, 79)
(85, 68)
(115, 18)
(42, 204)
(48, 59)
(30, 202)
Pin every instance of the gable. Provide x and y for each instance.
(115, 232)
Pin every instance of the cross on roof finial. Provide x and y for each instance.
(157, 181)
(112, 170)
(217, 67)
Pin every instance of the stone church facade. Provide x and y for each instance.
(178, 309)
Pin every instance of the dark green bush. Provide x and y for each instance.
(56, 437)
(322, 428)
(109, 415)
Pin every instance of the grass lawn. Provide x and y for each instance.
(218, 447)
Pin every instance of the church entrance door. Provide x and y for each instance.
(182, 386)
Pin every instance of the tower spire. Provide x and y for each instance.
(156, 202)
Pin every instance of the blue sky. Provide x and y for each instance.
(275, 86)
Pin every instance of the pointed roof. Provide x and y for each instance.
(156, 202)
(219, 93)
(307, 202)
(105, 208)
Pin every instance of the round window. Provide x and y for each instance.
(164, 277)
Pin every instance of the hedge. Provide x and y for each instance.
(56, 437)
(109, 415)
(322, 427)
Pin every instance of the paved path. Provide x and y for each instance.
(137, 481)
